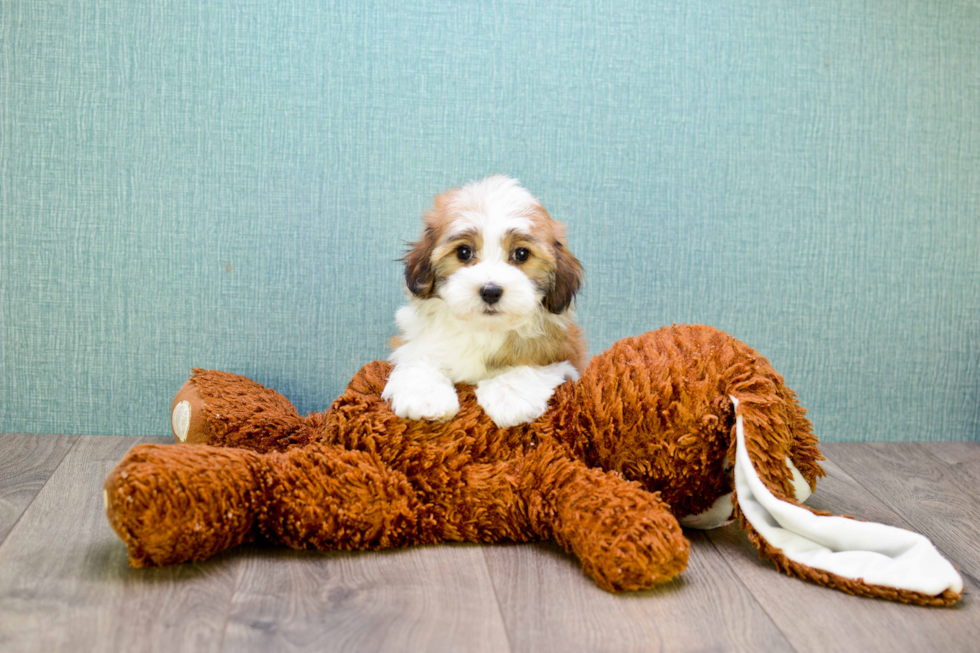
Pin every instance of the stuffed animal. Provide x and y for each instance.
(681, 426)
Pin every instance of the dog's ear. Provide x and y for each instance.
(420, 276)
(567, 281)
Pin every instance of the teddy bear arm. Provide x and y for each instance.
(625, 537)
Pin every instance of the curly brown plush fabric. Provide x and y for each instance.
(643, 438)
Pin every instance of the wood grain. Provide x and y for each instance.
(819, 619)
(550, 605)
(436, 598)
(961, 458)
(65, 583)
(932, 498)
(26, 463)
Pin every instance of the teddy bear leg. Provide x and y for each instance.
(187, 416)
(326, 497)
(626, 537)
(174, 504)
(479, 502)
(223, 409)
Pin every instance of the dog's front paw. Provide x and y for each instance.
(520, 395)
(416, 396)
(435, 403)
(507, 407)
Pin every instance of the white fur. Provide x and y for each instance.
(417, 390)
(449, 337)
(521, 393)
(503, 205)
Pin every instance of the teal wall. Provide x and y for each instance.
(228, 185)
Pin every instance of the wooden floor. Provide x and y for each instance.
(65, 583)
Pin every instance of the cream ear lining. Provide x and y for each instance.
(719, 514)
(874, 554)
(801, 489)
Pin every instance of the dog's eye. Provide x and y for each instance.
(464, 253)
(521, 254)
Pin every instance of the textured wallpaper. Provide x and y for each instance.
(229, 185)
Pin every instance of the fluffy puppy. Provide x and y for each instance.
(491, 285)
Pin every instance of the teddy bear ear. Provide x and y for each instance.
(857, 557)
(420, 274)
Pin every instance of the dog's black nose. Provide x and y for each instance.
(491, 293)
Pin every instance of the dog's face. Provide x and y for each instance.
(492, 253)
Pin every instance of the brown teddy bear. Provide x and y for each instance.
(681, 426)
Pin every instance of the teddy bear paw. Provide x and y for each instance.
(180, 420)
(187, 419)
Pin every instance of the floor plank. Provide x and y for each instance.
(550, 605)
(65, 583)
(962, 458)
(26, 463)
(932, 498)
(819, 619)
(437, 598)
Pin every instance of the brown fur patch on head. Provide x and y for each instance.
(554, 268)
(420, 271)
(445, 260)
(420, 276)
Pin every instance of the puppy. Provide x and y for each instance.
(491, 285)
